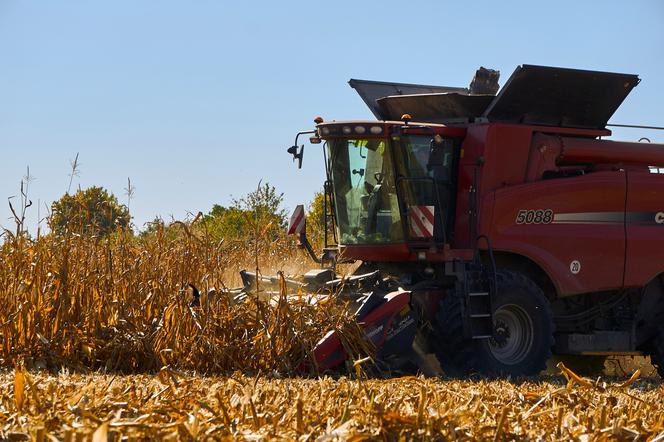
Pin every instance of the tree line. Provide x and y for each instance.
(96, 211)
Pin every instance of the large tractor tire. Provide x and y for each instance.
(656, 351)
(522, 334)
(454, 352)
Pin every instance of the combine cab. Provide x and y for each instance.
(494, 230)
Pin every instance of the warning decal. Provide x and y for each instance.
(421, 219)
(297, 220)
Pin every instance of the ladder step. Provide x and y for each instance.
(477, 287)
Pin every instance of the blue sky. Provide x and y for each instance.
(197, 101)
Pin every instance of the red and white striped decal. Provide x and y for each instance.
(421, 221)
(296, 223)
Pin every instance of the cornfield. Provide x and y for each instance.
(121, 304)
(99, 341)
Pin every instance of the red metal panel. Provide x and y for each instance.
(645, 227)
(503, 149)
(579, 151)
(506, 155)
(399, 252)
(581, 242)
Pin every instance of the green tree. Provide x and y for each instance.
(261, 207)
(90, 211)
(226, 222)
(265, 204)
(316, 220)
(316, 213)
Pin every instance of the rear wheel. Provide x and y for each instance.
(657, 352)
(522, 332)
(581, 364)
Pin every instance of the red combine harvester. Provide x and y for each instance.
(494, 230)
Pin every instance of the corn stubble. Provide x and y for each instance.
(175, 406)
(81, 306)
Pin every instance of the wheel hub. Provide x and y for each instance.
(501, 333)
(512, 334)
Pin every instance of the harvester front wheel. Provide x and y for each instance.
(454, 353)
(522, 328)
(522, 332)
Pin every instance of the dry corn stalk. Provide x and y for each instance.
(117, 303)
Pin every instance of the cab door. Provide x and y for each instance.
(426, 172)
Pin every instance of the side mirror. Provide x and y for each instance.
(298, 154)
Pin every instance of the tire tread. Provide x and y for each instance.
(458, 355)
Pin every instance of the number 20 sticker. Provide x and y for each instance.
(575, 267)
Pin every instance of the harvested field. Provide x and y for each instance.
(174, 406)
